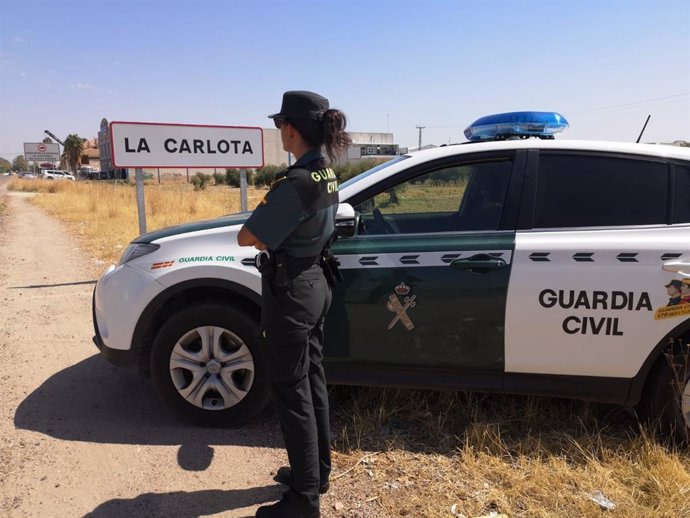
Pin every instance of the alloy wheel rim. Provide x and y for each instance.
(212, 368)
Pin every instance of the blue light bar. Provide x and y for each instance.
(503, 126)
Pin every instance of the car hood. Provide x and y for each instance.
(196, 226)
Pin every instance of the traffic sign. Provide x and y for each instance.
(41, 152)
(143, 144)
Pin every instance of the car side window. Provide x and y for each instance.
(598, 191)
(459, 198)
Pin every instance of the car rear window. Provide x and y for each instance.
(598, 191)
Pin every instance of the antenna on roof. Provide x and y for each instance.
(643, 128)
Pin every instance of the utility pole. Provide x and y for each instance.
(420, 128)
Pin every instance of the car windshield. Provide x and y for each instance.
(371, 171)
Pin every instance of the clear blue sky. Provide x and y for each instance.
(389, 65)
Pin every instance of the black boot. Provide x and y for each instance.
(284, 476)
(288, 507)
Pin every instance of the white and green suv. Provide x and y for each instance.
(547, 267)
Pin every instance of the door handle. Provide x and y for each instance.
(481, 263)
(679, 265)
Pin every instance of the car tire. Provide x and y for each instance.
(665, 405)
(207, 364)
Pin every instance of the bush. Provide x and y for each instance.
(232, 177)
(219, 178)
(200, 181)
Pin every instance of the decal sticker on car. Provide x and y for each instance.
(594, 300)
(208, 259)
(678, 292)
(400, 309)
(163, 264)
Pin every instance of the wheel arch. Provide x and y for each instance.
(182, 294)
(639, 381)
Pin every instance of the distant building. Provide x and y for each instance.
(108, 170)
(91, 155)
(364, 146)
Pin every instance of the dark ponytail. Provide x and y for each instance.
(329, 132)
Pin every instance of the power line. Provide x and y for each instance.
(634, 103)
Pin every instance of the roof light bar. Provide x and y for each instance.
(503, 126)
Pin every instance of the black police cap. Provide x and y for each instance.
(299, 104)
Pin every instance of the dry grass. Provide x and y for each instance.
(418, 453)
(104, 214)
(522, 456)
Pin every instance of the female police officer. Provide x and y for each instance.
(291, 227)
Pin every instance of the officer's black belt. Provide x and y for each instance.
(268, 259)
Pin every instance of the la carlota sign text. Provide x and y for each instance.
(143, 144)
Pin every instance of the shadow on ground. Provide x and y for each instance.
(181, 504)
(97, 402)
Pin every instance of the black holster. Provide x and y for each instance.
(274, 264)
(331, 267)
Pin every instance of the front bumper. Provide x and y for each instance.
(121, 358)
(119, 298)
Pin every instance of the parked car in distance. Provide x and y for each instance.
(28, 175)
(89, 173)
(56, 174)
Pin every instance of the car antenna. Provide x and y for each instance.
(643, 128)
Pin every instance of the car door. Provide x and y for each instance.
(426, 275)
(594, 287)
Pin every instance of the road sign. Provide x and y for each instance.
(143, 144)
(41, 152)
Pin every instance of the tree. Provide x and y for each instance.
(5, 165)
(74, 145)
(19, 163)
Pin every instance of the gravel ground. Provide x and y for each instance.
(79, 437)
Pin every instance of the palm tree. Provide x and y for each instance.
(74, 145)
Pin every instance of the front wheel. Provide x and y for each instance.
(207, 364)
(666, 401)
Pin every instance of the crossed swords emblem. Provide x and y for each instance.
(400, 310)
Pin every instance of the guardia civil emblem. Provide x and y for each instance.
(399, 306)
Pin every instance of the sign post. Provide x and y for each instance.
(243, 190)
(155, 145)
(141, 208)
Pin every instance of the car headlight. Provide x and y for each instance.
(135, 250)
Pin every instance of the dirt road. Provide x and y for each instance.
(79, 437)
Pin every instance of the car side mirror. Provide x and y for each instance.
(345, 220)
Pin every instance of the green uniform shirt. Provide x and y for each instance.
(287, 222)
